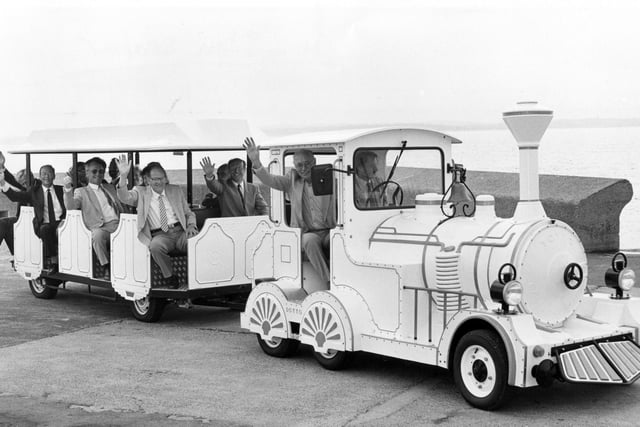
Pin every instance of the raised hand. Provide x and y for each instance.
(253, 152)
(124, 166)
(207, 167)
(67, 181)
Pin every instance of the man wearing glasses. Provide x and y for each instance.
(314, 215)
(165, 221)
(100, 208)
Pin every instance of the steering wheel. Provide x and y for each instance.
(573, 276)
(397, 192)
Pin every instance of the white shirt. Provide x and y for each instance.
(154, 211)
(57, 208)
(107, 210)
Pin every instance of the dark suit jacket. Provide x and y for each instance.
(232, 204)
(10, 179)
(35, 197)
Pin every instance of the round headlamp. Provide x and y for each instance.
(626, 279)
(512, 292)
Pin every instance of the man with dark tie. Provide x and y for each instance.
(165, 221)
(237, 197)
(100, 208)
(48, 206)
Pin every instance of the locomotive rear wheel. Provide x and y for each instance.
(333, 360)
(148, 309)
(278, 347)
(480, 369)
(41, 288)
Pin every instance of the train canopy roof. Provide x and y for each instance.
(194, 135)
(337, 136)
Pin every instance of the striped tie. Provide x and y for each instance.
(164, 222)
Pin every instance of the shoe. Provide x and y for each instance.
(172, 282)
(106, 275)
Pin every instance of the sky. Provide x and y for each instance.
(313, 64)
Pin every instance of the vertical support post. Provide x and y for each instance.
(189, 177)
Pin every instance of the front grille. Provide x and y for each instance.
(614, 362)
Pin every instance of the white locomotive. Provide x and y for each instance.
(435, 277)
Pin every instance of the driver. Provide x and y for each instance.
(314, 215)
(369, 188)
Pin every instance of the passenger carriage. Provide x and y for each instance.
(134, 276)
(435, 277)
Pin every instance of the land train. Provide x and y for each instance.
(434, 276)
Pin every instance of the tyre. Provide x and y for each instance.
(278, 347)
(43, 288)
(334, 360)
(480, 369)
(148, 309)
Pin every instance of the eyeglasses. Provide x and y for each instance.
(96, 171)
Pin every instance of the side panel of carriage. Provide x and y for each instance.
(27, 246)
(215, 257)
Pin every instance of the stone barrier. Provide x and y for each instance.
(591, 206)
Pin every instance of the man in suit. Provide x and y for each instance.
(165, 221)
(237, 197)
(48, 205)
(100, 208)
(314, 215)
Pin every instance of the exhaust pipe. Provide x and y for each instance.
(528, 123)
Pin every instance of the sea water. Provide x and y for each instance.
(610, 152)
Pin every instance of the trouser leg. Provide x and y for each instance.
(101, 239)
(6, 231)
(312, 245)
(161, 245)
(48, 235)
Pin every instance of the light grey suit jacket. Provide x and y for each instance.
(84, 198)
(140, 197)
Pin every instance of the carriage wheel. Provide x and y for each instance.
(42, 288)
(148, 309)
(480, 369)
(278, 347)
(334, 360)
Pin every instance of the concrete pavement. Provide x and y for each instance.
(82, 360)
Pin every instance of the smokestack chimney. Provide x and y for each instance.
(528, 122)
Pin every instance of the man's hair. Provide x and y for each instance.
(113, 169)
(236, 161)
(222, 169)
(154, 165)
(22, 178)
(97, 160)
(362, 156)
(304, 153)
(53, 171)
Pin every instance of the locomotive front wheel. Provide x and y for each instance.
(147, 309)
(278, 347)
(480, 369)
(39, 288)
(334, 360)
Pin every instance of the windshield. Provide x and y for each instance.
(388, 178)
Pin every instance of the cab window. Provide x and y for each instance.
(389, 178)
